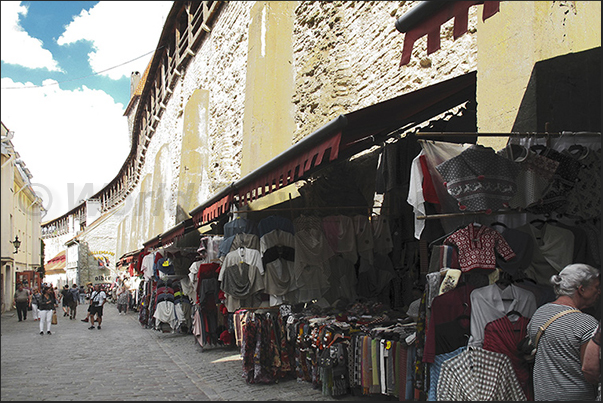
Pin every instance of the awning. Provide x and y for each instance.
(171, 235)
(340, 139)
(427, 17)
(56, 265)
(127, 258)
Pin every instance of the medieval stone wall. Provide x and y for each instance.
(345, 57)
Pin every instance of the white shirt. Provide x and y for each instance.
(490, 303)
(98, 296)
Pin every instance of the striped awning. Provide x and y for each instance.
(57, 264)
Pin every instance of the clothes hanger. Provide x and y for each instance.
(538, 223)
(513, 312)
(499, 223)
(504, 280)
(432, 243)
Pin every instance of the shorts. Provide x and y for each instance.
(96, 310)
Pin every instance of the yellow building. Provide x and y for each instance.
(21, 210)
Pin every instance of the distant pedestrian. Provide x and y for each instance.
(82, 295)
(75, 298)
(97, 300)
(35, 297)
(122, 298)
(66, 298)
(22, 300)
(47, 305)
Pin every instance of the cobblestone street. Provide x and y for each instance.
(124, 361)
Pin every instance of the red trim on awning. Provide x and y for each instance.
(291, 172)
(279, 177)
(214, 211)
(373, 121)
(431, 26)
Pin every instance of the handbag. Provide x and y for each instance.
(55, 319)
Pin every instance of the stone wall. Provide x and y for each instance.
(345, 57)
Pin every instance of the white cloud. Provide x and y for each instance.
(68, 139)
(119, 31)
(17, 46)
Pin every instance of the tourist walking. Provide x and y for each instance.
(75, 298)
(66, 298)
(82, 295)
(97, 300)
(47, 304)
(35, 296)
(22, 300)
(122, 298)
(560, 347)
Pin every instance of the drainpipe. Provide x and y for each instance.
(418, 14)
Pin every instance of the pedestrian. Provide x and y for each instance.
(66, 298)
(122, 298)
(557, 373)
(22, 300)
(47, 304)
(75, 298)
(97, 300)
(35, 296)
(82, 295)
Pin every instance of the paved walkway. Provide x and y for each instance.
(124, 361)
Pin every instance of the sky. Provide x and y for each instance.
(66, 68)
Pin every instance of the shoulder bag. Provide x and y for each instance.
(528, 349)
(542, 328)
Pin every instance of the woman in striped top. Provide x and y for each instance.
(558, 364)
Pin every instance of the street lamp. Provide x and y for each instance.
(16, 243)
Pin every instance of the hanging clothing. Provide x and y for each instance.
(478, 375)
(503, 336)
(489, 303)
(584, 200)
(241, 276)
(147, 265)
(416, 197)
(535, 173)
(522, 245)
(270, 223)
(477, 244)
(240, 226)
(434, 371)
(555, 198)
(480, 179)
(311, 266)
(554, 249)
(382, 236)
(445, 308)
(278, 256)
(340, 234)
(364, 237)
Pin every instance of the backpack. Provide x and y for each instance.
(68, 296)
(75, 294)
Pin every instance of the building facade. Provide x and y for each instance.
(21, 212)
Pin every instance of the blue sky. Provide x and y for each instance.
(66, 69)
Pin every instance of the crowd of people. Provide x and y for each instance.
(43, 302)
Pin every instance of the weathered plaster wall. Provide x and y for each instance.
(553, 27)
(222, 120)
